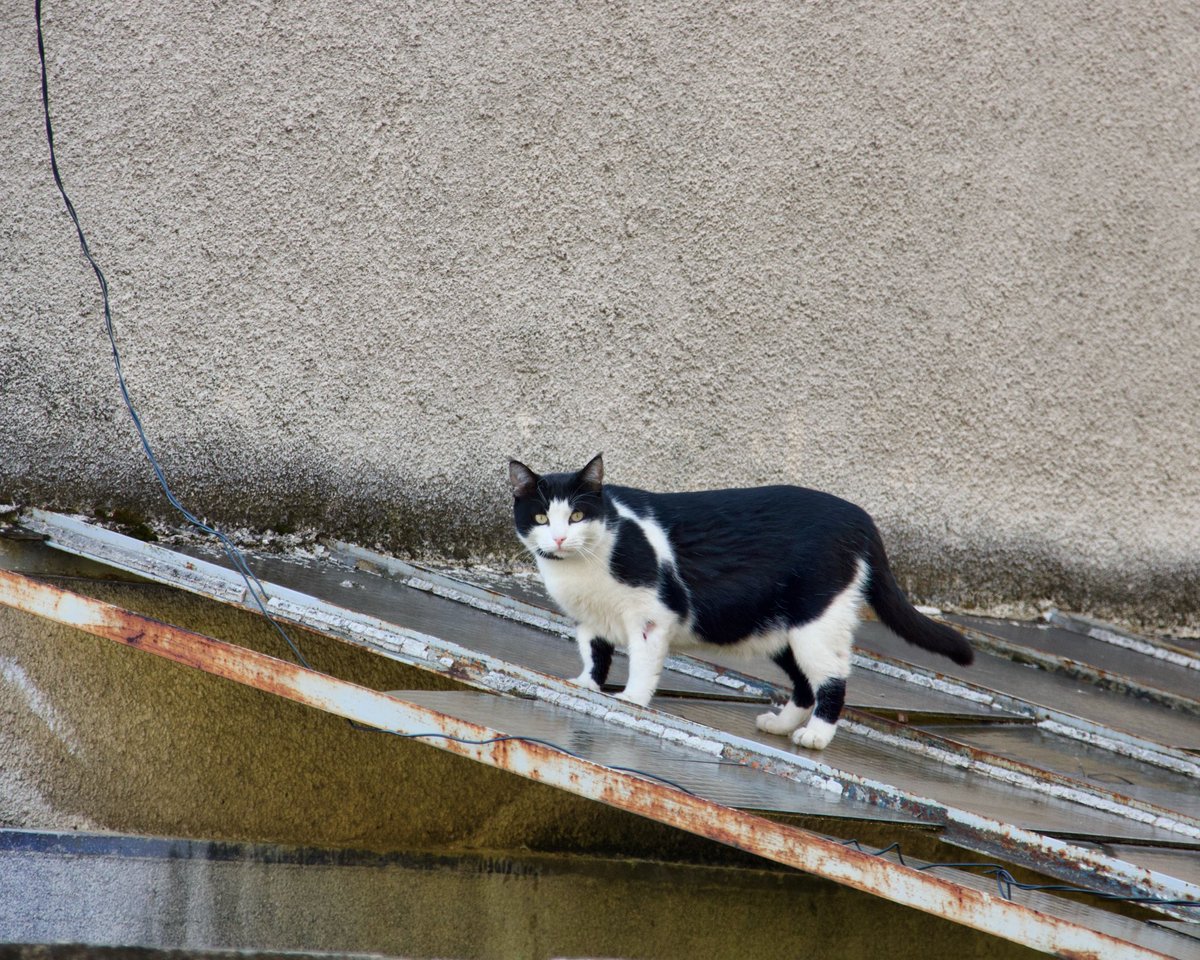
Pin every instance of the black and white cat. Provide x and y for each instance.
(780, 571)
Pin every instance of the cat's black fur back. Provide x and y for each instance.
(758, 557)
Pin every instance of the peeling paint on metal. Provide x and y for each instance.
(786, 845)
(1101, 739)
(1144, 648)
(923, 678)
(1055, 663)
(1110, 635)
(1042, 783)
(1114, 740)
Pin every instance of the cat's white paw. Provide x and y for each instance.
(639, 699)
(782, 723)
(815, 735)
(585, 680)
(772, 723)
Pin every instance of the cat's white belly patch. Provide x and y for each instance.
(756, 645)
(762, 644)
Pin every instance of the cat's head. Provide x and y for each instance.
(558, 515)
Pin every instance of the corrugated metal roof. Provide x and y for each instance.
(1048, 753)
(1113, 709)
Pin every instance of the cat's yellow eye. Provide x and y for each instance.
(540, 518)
(577, 516)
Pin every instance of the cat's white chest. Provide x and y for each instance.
(589, 594)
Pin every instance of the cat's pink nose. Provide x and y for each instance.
(558, 542)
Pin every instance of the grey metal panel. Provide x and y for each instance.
(701, 773)
(383, 597)
(547, 652)
(1056, 691)
(1183, 652)
(903, 684)
(1110, 771)
(888, 695)
(526, 587)
(1185, 929)
(994, 835)
(919, 775)
(33, 558)
(1156, 673)
(872, 691)
(864, 690)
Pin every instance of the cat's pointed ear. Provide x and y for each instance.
(591, 477)
(523, 480)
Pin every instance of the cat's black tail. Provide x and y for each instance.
(900, 616)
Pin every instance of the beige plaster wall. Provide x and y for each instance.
(940, 258)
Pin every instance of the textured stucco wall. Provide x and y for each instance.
(940, 258)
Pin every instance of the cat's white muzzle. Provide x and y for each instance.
(561, 545)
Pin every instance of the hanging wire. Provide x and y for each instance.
(253, 585)
(1006, 882)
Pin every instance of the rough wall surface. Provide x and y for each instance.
(940, 258)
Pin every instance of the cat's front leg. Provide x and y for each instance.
(596, 654)
(647, 651)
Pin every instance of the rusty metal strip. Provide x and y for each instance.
(1073, 864)
(783, 844)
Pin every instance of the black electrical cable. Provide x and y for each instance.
(253, 584)
(1005, 881)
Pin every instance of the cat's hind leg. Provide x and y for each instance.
(596, 654)
(797, 710)
(822, 725)
(822, 649)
